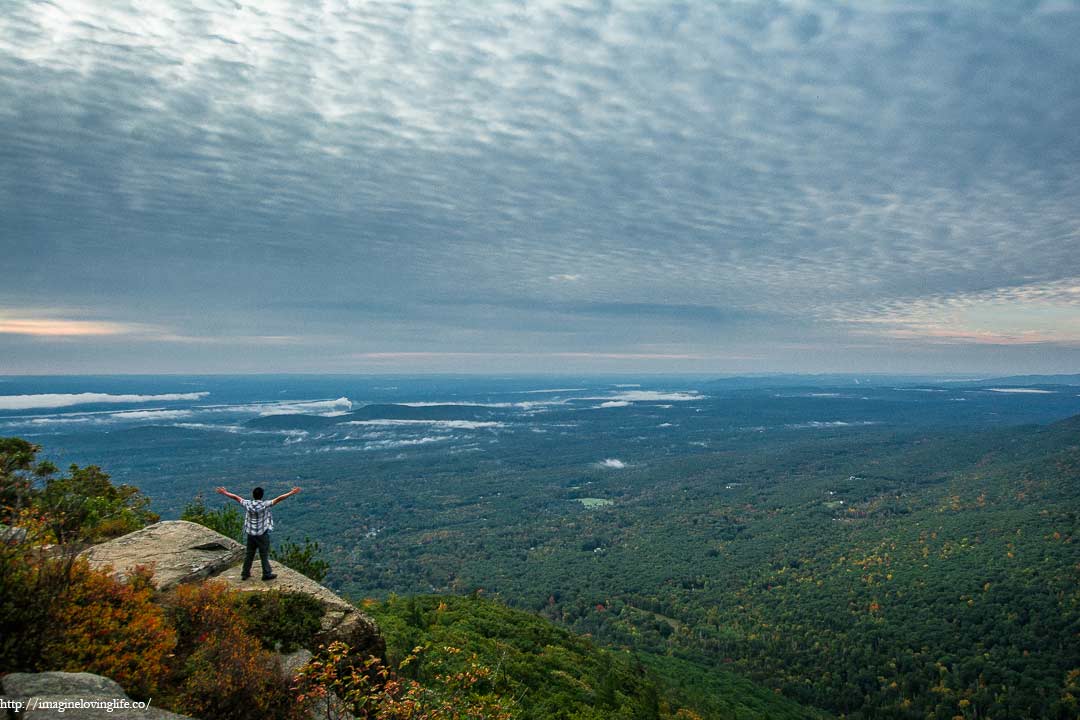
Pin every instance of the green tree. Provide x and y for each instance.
(84, 506)
(19, 469)
(305, 559)
(226, 520)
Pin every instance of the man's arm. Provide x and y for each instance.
(226, 493)
(279, 498)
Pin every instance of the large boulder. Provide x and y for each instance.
(43, 694)
(178, 551)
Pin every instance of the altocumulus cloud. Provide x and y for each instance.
(825, 174)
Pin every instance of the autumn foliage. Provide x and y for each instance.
(57, 613)
(339, 685)
(111, 628)
(222, 669)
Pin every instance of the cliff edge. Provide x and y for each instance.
(184, 552)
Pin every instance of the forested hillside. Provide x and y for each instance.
(878, 574)
(884, 550)
(208, 650)
(552, 673)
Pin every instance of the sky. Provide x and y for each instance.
(645, 186)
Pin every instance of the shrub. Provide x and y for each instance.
(30, 588)
(56, 613)
(282, 621)
(111, 628)
(369, 689)
(224, 672)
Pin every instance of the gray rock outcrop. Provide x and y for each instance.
(183, 552)
(43, 694)
(178, 551)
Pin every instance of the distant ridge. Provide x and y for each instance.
(833, 380)
(1073, 379)
(1069, 423)
(881, 380)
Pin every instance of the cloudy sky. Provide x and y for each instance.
(640, 186)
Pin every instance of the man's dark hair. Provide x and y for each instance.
(257, 493)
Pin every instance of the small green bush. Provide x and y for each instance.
(283, 622)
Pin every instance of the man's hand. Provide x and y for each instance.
(226, 493)
(279, 498)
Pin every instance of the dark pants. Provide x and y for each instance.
(262, 544)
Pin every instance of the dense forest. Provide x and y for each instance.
(552, 673)
(881, 551)
(876, 575)
(206, 650)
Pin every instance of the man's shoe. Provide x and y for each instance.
(245, 577)
(271, 576)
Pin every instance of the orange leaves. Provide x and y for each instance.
(226, 672)
(111, 628)
(369, 689)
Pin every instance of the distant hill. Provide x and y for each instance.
(1068, 424)
(830, 380)
(842, 380)
(1027, 380)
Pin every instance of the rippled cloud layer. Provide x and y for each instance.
(495, 186)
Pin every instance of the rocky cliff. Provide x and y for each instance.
(183, 552)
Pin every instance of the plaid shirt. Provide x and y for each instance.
(257, 519)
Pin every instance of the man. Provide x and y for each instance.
(258, 522)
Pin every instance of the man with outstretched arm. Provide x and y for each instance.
(258, 522)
